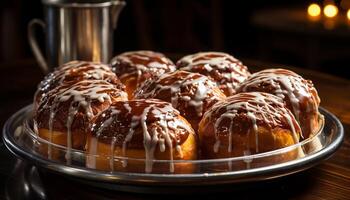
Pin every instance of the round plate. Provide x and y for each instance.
(328, 140)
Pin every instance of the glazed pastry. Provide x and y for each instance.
(134, 67)
(299, 94)
(246, 124)
(73, 72)
(65, 114)
(141, 129)
(227, 71)
(191, 93)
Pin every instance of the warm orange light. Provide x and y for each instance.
(330, 10)
(314, 10)
(348, 14)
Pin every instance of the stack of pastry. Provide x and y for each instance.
(143, 109)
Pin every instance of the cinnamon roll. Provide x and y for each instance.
(300, 95)
(132, 135)
(246, 124)
(65, 114)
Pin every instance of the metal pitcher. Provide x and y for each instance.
(75, 30)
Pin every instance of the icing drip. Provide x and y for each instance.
(226, 70)
(71, 113)
(51, 118)
(80, 96)
(128, 138)
(157, 120)
(148, 142)
(260, 108)
(111, 160)
(255, 129)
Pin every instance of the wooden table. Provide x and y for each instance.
(329, 180)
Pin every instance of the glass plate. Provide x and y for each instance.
(21, 140)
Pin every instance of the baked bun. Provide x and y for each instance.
(141, 129)
(248, 123)
(191, 93)
(134, 67)
(65, 114)
(226, 70)
(299, 94)
(73, 72)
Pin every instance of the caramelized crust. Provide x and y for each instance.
(227, 71)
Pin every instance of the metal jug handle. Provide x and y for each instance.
(34, 44)
(116, 8)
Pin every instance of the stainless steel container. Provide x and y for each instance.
(76, 30)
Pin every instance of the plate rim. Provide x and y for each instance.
(270, 172)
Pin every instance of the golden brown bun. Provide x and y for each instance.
(65, 114)
(73, 72)
(227, 71)
(191, 93)
(247, 123)
(134, 67)
(141, 129)
(299, 94)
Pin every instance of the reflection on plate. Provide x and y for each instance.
(21, 141)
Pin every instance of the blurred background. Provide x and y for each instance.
(270, 31)
(301, 33)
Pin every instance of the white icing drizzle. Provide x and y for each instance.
(86, 70)
(73, 72)
(287, 85)
(255, 129)
(71, 114)
(111, 160)
(263, 107)
(231, 70)
(201, 89)
(162, 136)
(128, 138)
(152, 62)
(81, 94)
(51, 118)
(89, 70)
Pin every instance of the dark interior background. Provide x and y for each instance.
(178, 27)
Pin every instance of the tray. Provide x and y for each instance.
(22, 143)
